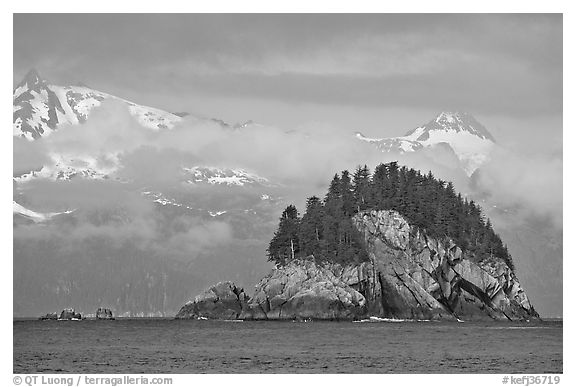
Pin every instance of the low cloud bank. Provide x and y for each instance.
(531, 183)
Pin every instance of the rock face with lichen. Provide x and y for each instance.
(409, 276)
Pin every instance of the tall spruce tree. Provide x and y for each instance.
(347, 195)
(379, 188)
(312, 228)
(285, 244)
(393, 185)
(361, 188)
(332, 215)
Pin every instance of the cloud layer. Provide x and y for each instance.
(302, 160)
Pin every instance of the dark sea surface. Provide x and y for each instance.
(190, 346)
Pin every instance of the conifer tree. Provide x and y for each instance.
(361, 188)
(311, 228)
(347, 195)
(285, 244)
(332, 215)
(393, 185)
(379, 188)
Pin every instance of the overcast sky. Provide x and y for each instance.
(380, 74)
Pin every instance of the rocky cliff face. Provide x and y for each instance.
(409, 276)
(413, 276)
(304, 290)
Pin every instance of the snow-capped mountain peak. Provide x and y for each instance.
(470, 140)
(455, 122)
(40, 107)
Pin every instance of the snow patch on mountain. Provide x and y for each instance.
(395, 144)
(236, 126)
(69, 166)
(161, 199)
(472, 150)
(227, 176)
(36, 217)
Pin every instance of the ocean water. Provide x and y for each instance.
(191, 346)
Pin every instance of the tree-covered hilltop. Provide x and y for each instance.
(326, 230)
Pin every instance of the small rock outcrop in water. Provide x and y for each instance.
(70, 314)
(49, 316)
(221, 301)
(104, 314)
(408, 276)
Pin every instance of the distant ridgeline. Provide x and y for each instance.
(326, 230)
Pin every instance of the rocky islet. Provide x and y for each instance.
(409, 276)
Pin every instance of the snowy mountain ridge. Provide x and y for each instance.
(39, 108)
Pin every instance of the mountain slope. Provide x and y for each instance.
(39, 107)
(469, 139)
